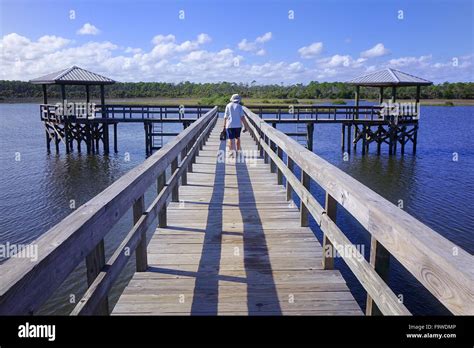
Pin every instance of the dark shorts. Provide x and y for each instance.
(233, 133)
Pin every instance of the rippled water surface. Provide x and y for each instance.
(36, 192)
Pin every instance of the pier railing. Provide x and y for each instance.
(26, 285)
(441, 266)
(337, 113)
(126, 112)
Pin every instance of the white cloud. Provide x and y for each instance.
(378, 50)
(338, 60)
(88, 29)
(244, 45)
(172, 60)
(264, 38)
(311, 51)
(256, 45)
(409, 61)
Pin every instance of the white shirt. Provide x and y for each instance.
(233, 114)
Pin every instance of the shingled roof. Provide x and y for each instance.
(73, 76)
(389, 77)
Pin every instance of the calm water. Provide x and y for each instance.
(36, 191)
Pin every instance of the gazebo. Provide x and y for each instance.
(75, 129)
(395, 131)
(388, 78)
(73, 76)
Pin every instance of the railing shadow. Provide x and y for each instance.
(206, 289)
(262, 296)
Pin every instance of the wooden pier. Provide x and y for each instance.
(231, 240)
(224, 250)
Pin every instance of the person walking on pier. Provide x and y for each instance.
(233, 119)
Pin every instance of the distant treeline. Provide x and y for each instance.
(313, 90)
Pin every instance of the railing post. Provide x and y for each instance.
(184, 176)
(289, 189)
(328, 248)
(303, 210)
(265, 155)
(140, 252)
(94, 263)
(175, 190)
(161, 183)
(272, 163)
(279, 173)
(380, 260)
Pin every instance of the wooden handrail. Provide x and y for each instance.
(440, 265)
(102, 284)
(26, 285)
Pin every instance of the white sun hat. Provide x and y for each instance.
(235, 98)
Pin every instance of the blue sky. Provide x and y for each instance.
(238, 41)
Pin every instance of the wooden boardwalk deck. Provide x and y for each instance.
(234, 246)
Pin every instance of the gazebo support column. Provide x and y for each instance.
(105, 125)
(45, 95)
(65, 121)
(46, 131)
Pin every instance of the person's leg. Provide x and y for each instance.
(237, 138)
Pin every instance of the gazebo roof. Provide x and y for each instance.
(73, 76)
(389, 77)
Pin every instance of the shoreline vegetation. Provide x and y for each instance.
(187, 93)
(246, 101)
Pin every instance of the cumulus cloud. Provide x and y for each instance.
(338, 60)
(88, 29)
(311, 51)
(378, 50)
(256, 45)
(173, 60)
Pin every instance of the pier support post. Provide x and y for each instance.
(56, 139)
(343, 137)
(349, 129)
(328, 248)
(147, 139)
(380, 260)
(105, 138)
(379, 138)
(356, 134)
(115, 138)
(415, 138)
(304, 213)
(390, 140)
(48, 137)
(310, 132)
(67, 135)
(140, 252)
(402, 139)
(364, 139)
